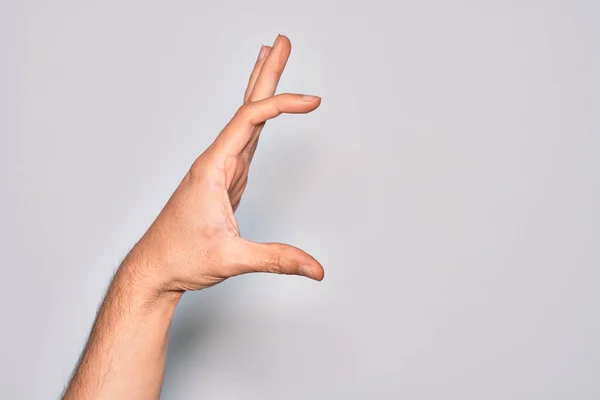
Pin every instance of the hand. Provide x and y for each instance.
(195, 241)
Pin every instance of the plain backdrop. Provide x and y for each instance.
(449, 184)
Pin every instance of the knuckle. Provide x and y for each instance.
(200, 170)
(277, 106)
(246, 113)
(197, 172)
(273, 262)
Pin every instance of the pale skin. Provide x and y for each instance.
(193, 244)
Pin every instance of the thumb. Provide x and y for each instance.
(277, 258)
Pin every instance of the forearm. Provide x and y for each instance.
(126, 352)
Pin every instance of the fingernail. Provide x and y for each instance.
(276, 41)
(310, 98)
(306, 270)
(261, 53)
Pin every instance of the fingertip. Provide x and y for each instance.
(314, 101)
(320, 275)
(313, 272)
(310, 98)
(261, 53)
(266, 50)
(282, 43)
(281, 39)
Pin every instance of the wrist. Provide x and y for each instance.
(145, 289)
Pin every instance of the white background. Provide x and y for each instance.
(449, 184)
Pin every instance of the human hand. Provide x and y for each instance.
(195, 242)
